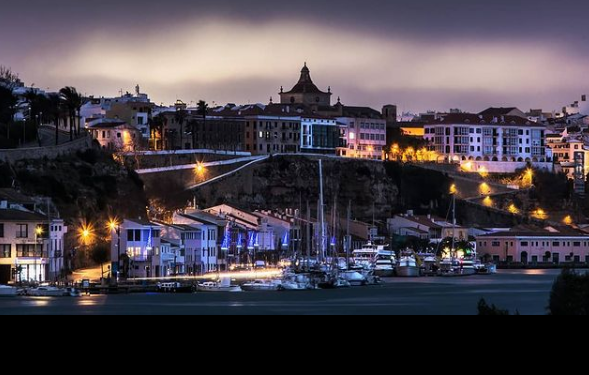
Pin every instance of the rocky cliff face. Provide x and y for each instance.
(292, 181)
(84, 186)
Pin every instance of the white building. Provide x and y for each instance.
(140, 249)
(31, 243)
(115, 135)
(565, 149)
(498, 144)
(205, 252)
(366, 138)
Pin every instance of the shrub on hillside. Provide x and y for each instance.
(570, 295)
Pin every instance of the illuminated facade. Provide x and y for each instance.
(140, 249)
(555, 246)
(366, 138)
(469, 137)
(31, 244)
(116, 136)
(564, 150)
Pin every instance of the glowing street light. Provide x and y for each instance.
(513, 209)
(86, 233)
(568, 220)
(540, 214)
(453, 189)
(485, 189)
(488, 202)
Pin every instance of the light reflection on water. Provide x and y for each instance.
(37, 302)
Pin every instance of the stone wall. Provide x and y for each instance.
(50, 152)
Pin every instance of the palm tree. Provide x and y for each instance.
(54, 111)
(158, 125)
(73, 101)
(8, 103)
(180, 118)
(202, 109)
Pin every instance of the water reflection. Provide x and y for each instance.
(37, 302)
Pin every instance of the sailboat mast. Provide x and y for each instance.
(322, 212)
(453, 250)
(348, 242)
(308, 226)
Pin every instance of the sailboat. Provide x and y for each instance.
(454, 265)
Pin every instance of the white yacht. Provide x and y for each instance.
(8, 291)
(384, 266)
(407, 266)
(367, 256)
(223, 286)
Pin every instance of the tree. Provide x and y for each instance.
(54, 111)
(158, 125)
(570, 295)
(8, 78)
(486, 310)
(202, 110)
(180, 118)
(73, 101)
(100, 254)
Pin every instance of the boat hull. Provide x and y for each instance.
(408, 272)
(384, 273)
(8, 292)
(257, 288)
(231, 289)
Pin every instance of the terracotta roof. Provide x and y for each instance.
(472, 119)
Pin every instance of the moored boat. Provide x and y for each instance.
(407, 266)
(262, 286)
(8, 291)
(223, 286)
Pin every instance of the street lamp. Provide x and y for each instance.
(115, 227)
(38, 233)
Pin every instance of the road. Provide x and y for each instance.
(525, 291)
(47, 137)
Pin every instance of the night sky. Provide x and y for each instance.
(419, 54)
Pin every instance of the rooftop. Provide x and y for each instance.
(17, 215)
(533, 231)
(143, 222)
(14, 196)
(305, 84)
(470, 118)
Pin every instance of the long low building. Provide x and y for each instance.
(529, 246)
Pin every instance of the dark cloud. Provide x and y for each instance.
(30, 30)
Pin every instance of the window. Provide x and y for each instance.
(496, 244)
(22, 231)
(131, 235)
(525, 244)
(576, 244)
(5, 251)
(1, 230)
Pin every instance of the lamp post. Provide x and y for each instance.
(38, 233)
(115, 227)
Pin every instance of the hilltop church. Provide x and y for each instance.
(306, 92)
